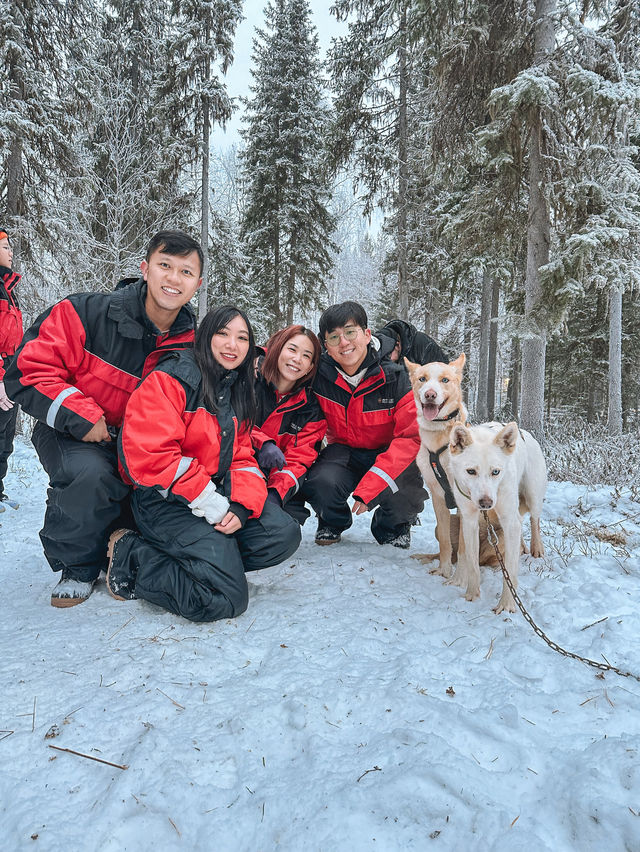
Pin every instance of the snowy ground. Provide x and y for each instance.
(358, 704)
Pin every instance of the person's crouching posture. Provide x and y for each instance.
(199, 495)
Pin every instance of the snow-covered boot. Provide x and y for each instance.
(69, 591)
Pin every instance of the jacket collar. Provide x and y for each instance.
(330, 368)
(9, 278)
(127, 309)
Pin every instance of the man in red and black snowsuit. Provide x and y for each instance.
(372, 435)
(10, 337)
(74, 372)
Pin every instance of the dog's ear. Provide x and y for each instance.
(410, 366)
(507, 437)
(459, 363)
(460, 438)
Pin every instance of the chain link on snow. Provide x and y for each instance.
(493, 538)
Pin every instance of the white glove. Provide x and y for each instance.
(5, 402)
(210, 505)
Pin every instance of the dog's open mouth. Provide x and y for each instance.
(431, 410)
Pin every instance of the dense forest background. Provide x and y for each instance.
(495, 145)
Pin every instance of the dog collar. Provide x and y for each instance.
(448, 417)
(468, 496)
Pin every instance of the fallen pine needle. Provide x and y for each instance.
(120, 628)
(170, 698)
(515, 821)
(490, 651)
(175, 826)
(91, 757)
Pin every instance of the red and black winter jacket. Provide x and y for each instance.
(10, 317)
(297, 425)
(171, 442)
(379, 414)
(83, 357)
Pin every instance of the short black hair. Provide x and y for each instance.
(176, 243)
(337, 316)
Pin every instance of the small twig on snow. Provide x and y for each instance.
(170, 698)
(367, 771)
(91, 757)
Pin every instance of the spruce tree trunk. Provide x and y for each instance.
(15, 178)
(513, 396)
(403, 173)
(431, 312)
(538, 242)
(493, 349)
(291, 282)
(483, 353)
(466, 346)
(614, 422)
(204, 221)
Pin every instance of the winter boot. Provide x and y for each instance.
(325, 535)
(121, 581)
(69, 591)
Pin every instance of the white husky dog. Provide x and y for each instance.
(501, 468)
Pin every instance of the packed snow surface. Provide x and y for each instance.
(359, 704)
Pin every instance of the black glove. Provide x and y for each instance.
(273, 497)
(270, 456)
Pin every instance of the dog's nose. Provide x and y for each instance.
(485, 502)
(429, 395)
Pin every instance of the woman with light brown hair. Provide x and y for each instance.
(289, 425)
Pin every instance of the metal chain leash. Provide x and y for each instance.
(493, 538)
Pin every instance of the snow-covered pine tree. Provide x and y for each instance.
(200, 44)
(42, 105)
(372, 69)
(128, 189)
(287, 226)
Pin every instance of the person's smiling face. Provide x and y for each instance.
(347, 346)
(230, 345)
(294, 362)
(172, 281)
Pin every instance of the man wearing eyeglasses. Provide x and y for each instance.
(372, 435)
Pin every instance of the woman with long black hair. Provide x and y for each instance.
(289, 424)
(199, 496)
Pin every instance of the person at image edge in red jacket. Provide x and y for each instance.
(10, 337)
(199, 496)
(290, 424)
(74, 372)
(372, 435)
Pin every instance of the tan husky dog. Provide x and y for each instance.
(438, 397)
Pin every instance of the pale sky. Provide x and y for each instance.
(238, 78)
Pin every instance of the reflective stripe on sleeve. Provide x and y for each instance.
(55, 406)
(255, 470)
(390, 482)
(288, 472)
(183, 466)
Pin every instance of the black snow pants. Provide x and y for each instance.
(7, 432)
(333, 478)
(184, 565)
(86, 501)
